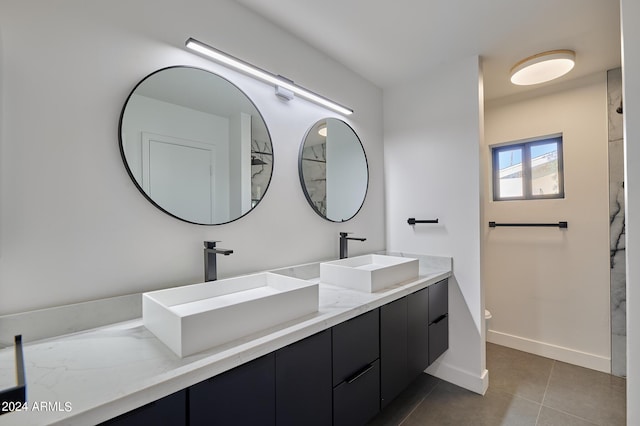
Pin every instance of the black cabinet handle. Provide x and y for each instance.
(359, 374)
(440, 318)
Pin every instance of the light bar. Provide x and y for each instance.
(263, 75)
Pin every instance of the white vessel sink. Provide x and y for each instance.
(193, 318)
(307, 272)
(369, 273)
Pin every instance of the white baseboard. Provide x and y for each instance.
(458, 377)
(547, 350)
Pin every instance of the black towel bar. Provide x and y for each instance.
(413, 221)
(557, 225)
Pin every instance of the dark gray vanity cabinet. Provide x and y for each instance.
(244, 395)
(393, 350)
(304, 388)
(168, 411)
(438, 319)
(356, 369)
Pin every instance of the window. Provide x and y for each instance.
(528, 170)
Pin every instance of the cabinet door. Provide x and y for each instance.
(355, 345)
(303, 382)
(438, 319)
(393, 350)
(357, 399)
(242, 396)
(168, 411)
(418, 332)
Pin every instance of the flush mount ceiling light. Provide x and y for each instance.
(322, 130)
(281, 84)
(543, 67)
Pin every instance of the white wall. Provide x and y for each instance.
(548, 289)
(432, 142)
(73, 226)
(630, 19)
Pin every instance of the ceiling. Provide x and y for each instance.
(387, 42)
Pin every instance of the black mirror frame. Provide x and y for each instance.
(130, 173)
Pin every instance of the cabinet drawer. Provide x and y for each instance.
(438, 338)
(438, 300)
(355, 345)
(357, 400)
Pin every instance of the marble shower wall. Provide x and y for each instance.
(617, 224)
(261, 152)
(314, 170)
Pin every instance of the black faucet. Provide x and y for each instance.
(343, 243)
(210, 252)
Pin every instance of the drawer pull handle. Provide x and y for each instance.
(359, 374)
(440, 318)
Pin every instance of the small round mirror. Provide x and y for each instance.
(333, 170)
(195, 145)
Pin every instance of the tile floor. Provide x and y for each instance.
(524, 389)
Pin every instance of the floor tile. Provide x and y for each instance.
(550, 417)
(451, 405)
(597, 397)
(406, 402)
(518, 373)
(570, 396)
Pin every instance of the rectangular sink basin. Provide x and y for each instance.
(196, 317)
(369, 273)
(307, 272)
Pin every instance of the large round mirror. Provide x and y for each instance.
(195, 145)
(333, 170)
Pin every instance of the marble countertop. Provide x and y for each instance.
(91, 376)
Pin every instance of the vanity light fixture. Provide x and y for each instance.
(281, 84)
(543, 67)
